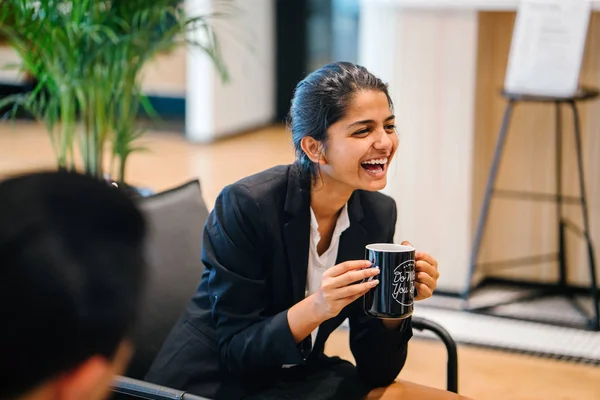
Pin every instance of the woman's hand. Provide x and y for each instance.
(339, 287)
(426, 274)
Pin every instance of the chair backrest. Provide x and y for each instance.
(176, 221)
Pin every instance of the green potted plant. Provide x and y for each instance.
(86, 57)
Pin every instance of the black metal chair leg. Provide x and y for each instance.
(452, 372)
(491, 181)
(595, 324)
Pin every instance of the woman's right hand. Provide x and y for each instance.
(339, 287)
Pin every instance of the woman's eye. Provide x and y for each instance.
(362, 132)
(390, 128)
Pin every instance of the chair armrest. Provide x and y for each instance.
(425, 324)
(149, 391)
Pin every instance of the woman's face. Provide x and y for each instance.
(361, 145)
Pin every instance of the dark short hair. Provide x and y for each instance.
(71, 273)
(321, 99)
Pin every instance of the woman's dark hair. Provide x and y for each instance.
(321, 99)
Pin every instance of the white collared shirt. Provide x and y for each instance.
(317, 264)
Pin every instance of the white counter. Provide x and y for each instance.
(479, 5)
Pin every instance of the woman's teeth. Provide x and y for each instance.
(375, 166)
(376, 161)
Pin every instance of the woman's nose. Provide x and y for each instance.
(383, 141)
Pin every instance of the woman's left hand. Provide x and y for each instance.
(426, 274)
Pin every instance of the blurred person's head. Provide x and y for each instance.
(342, 124)
(71, 272)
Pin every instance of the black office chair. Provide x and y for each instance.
(176, 221)
(423, 324)
(176, 218)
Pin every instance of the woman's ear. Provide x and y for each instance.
(314, 150)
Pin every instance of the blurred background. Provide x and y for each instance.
(209, 102)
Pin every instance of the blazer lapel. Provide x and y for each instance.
(354, 239)
(296, 235)
(296, 231)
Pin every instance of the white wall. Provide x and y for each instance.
(165, 76)
(247, 39)
(9, 57)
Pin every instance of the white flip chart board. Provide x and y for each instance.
(547, 47)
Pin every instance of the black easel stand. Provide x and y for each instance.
(560, 288)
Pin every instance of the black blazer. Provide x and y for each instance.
(234, 337)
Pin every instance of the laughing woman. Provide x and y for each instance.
(284, 250)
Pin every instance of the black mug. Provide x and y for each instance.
(394, 296)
